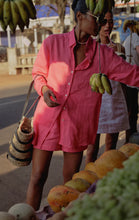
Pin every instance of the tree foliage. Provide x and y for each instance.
(59, 6)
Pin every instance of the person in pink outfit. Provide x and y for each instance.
(66, 117)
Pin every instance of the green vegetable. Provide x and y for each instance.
(116, 196)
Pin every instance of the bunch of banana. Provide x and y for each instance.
(16, 12)
(99, 7)
(100, 83)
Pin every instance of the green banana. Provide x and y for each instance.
(7, 17)
(4, 27)
(30, 7)
(15, 13)
(91, 5)
(109, 5)
(1, 8)
(21, 25)
(87, 3)
(96, 10)
(106, 84)
(23, 12)
(12, 27)
(101, 6)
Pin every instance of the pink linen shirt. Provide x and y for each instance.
(79, 108)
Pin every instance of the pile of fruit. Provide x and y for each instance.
(115, 175)
(16, 12)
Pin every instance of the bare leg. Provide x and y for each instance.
(40, 167)
(111, 141)
(72, 162)
(92, 150)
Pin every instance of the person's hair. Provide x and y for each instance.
(79, 5)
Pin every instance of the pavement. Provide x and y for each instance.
(14, 180)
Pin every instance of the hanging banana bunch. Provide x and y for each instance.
(98, 7)
(100, 83)
(16, 12)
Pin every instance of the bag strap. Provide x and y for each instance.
(27, 100)
(28, 95)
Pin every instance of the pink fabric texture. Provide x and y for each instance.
(74, 123)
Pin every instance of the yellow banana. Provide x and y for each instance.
(93, 83)
(15, 13)
(91, 5)
(7, 17)
(98, 80)
(99, 83)
(106, 84)
(87, 3)
(23, 12)
(30, 7)
(1, 8)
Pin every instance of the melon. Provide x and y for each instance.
(129, 149)
(108, 161)
(6, 216)
(88, 175)
(22, 211)
(80, 184)
(60, 196)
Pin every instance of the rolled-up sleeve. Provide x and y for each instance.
(40, 68)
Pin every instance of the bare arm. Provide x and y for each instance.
(137, 49)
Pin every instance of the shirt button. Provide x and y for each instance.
(65, 94)
(71, 71)
(69, 83)
(64, 108)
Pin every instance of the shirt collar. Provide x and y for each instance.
(72, 40)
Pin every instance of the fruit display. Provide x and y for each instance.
(60, 196)
(129, 149)
(100, 83)
(116, 196)
(16, 12)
